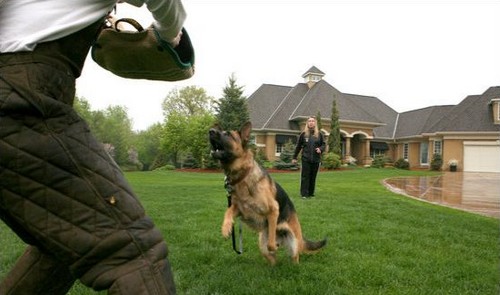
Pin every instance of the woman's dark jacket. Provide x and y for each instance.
(308, 146)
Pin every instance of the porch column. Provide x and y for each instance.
(367, 159)
(347, 146)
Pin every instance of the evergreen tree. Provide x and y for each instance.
(334, 140)
(232, 109)
(318, 119)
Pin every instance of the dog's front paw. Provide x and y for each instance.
(272, 247)
(227, 228)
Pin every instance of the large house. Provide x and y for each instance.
(468, 133)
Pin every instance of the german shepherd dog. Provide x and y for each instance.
(260, 202)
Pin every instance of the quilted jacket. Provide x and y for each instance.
(59, 190)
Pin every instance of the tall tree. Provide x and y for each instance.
(187, 101)
(188, 117)
(174, 140)
(334, 140)
(117, 131)
(232, 109)
(148, 143)
(111, 126)
(199, 146)
(318, 120)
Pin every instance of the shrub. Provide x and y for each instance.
(280, 165)
(267, 164)
(190, 162)
(402, 164)
(331, 161)
(436, 162)
(286, 156)
(259, 155)
(379, 161)
(165, 167)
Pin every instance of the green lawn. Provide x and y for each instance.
(378, 242)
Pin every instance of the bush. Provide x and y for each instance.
(259, 155)
(286, 157)
(331, 161)
(190, 162)
(379, 161)
(402, 164)
(436, 162)
(280, 165)
(267, 164)
(165, 167)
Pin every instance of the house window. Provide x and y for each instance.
(378, 148)
(405, 151)
(438, 147)
(279, 148)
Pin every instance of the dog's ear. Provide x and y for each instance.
(217, 127)
(245, 133)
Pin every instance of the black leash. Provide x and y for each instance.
(229, 190)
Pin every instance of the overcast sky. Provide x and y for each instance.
(409, 54)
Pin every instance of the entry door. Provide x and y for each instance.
(424, 153)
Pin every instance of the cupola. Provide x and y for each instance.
(312, 76)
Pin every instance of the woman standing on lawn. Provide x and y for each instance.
(312, 145)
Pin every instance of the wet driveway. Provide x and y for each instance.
(469, 191)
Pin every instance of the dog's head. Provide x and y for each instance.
(229, 145)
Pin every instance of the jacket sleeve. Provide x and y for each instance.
(323, 144)
(169, 16)
(298, 147)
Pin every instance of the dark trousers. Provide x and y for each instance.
(308, 178)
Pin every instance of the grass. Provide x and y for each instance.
(378, 242)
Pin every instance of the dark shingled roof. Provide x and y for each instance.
(474, 113)
(419, 121)
(275, 107)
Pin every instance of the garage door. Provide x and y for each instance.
(481, 156)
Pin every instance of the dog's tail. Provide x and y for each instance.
(313, 246)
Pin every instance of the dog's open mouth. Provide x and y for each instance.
(215, 138)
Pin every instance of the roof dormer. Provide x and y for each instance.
(495, 107)
(312, 76)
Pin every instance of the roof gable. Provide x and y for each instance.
(313, 70)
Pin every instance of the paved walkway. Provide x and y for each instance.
(469, 191)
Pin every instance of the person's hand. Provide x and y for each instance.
(294, 161)
(176, 40)
(318, 150)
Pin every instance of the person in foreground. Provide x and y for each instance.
(312, 145)
(60, 192)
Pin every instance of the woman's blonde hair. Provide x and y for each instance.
(307, 131)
